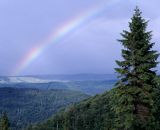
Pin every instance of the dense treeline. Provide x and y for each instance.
(27, 106)
(133, 104)
(91, 114)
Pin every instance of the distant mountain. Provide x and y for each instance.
(48, 78)
(91, 87)
(87, 87)
(26, 106)
(79, 77)
(22, 79)
(87, 83)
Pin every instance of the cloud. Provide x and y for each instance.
(154, 26)
(91, 48)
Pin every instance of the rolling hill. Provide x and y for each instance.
(98, 83)
(29, 105)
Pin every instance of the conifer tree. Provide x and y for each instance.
(4, 122)
(134, 96)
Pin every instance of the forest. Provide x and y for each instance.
(31, 105)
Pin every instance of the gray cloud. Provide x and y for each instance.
(90, 49)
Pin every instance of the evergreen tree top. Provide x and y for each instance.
(137, 12)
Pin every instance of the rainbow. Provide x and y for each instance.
(58, 35)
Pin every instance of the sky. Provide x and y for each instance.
(90, 47)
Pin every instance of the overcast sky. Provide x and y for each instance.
(93, 48)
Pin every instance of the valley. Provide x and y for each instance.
(33, 99)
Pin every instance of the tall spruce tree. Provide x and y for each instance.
(134, 96)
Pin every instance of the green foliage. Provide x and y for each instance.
(27, 106)
(157, 103)
(134, 97)
(92, 114)
(4, 122)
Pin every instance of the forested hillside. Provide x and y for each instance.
(91, 114)
(95, 113)
(27, 106)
